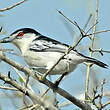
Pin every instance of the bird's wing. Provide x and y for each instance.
(45, 44)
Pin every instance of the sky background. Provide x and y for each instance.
(42, 16)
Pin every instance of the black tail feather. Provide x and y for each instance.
(97, 62)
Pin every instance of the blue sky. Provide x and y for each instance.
(42, 16)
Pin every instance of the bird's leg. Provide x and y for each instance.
(57, 82)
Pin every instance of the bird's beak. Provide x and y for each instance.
(7, 40)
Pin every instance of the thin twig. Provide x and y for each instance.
(86, 24)
(8, 88)
(67, 18)
(107, 103)
(25, 107)
(92, 27)
(98, 32)
(81, 30)
(24, 81)
(75, 23)
(95, 96)
(55, 102)
(101, 51)
(45, 92)
(83, 33)
(66, 52)
(90, 16)
(34, 97)
(36, 106)
(65, 104)
(92, 43)
(10, 7)
(101, 94)
(69, 48)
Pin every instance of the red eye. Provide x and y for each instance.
(20, 34)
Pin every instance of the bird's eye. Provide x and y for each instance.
(20, 35)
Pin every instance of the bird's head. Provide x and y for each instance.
(21, 37)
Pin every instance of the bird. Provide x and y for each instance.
(41, 52)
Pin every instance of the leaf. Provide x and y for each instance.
(20, 79)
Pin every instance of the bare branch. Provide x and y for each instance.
(101, 51)
(35, 98)
(92, 43)
(69, 48)
(86, 24)
(107, 103)
(36, 106)
(65, 104)
(101, 94)
(92, 27)
(24, 80)
(8, 88)
(46, 82)
(67, 18)
(98, 32)
(10, 7)
(90, 16)
(25, 108)
(45, 92)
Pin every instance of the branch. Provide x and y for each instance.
(69, 48)
(101, 51)
(92, 27)
(86, 24)
(87, 21)
(90, 55)
(101, 94)
(8, 88)
(10, 7)
(35, 98)
(104, 105)
(67, 103)
(25, 107)
(67, 18)
(60, 91)
(24, 80)
(98, 32)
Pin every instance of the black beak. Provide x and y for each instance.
(6, 40)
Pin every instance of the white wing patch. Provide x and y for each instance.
(47, 45)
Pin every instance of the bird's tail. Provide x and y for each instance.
(97, 62)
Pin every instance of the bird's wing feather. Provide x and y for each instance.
(45, 44)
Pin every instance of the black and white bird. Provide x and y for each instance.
(42, 52)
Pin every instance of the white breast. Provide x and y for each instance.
(45, 60)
